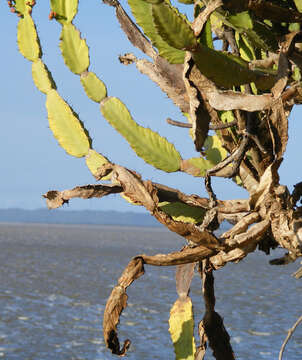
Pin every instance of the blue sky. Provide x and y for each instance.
(33, 162)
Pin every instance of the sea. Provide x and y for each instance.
(55, 280)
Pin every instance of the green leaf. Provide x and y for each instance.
(149, 145)
(262, 37)
(183, 212)
(172, 27)
(214, 150)
(196, 166)
(245, 48)
(93, 86)
(27, 38)
(206, 35)
(220, 68)
(74, 49)
(181, 328)
(94, 161)
(42, 77)
(66, 126)
(142, 11)
(241, 20)
(65, 10)
(260, 34)
(187, 2)
(296, 73)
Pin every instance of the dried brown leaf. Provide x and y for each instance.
(279, 128)
(184, 276)
(262, 196)
(199, 116)
(117, 303)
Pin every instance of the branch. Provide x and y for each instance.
(202, 18)
(211, 127)
(290, 333)
(55, 199)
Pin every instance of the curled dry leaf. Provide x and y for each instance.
(184, 276)
(264, 191)
(199, 115)
(116, 304)
(278, 128)
(241, 245)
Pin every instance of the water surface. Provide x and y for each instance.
(55, 280)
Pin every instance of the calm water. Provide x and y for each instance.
(54, 282)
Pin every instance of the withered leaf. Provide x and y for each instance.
(199, 115)
(117, 303)
(184, 276)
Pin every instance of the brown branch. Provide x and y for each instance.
(55, 199)
(185, 256)
(211, 127)
(290, 333)
(202, 18)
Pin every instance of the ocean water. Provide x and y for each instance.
(55, 280)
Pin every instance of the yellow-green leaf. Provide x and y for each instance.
(28, 38)
(42, 77)
(93, 86)
(181, 328)
(66, 126)
(65, 10)
(94, 161)
(74, 49)
(21, 7)
(149, 145)
(182, 212)
(214, 150)
(298, 4)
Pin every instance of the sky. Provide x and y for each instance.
(32, 162)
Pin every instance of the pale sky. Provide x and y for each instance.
(33, 162)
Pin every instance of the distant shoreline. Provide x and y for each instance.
(90, 226)
(78, 217)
